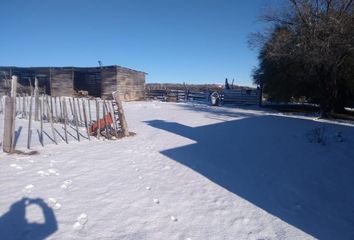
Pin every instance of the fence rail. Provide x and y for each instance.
(231, 96)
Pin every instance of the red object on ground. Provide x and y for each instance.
(103, 121)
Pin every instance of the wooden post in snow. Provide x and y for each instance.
(79, 109)
(23, 106)
(56, 110)
(13, 96)
(115, 126)
(71, 108)
(76, 121)
(89, 109)
(36, 100)
(98, 119)
(1, 107)
(121, 115)
(65, 119)
(61, 110)
(41, 120)
(105, 119)
(29, 134)
(85, 120)
(8, 122)
(9, 118)
(51, 121)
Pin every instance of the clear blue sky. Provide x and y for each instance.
(192, 41)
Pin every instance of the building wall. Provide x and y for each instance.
(130, 84)
(61, 82)
(109, 82)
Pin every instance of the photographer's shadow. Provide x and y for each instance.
(14, 225)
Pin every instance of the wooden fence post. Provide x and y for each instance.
(115, 126)
(29, 135)
(36, 100)
(121, 115)
(9, 118)
(51, 121)
(76, 121)
(9, 122)
(85, 120)
(65, 116)
(41, 119)
(98, 119)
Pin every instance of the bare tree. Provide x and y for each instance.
(318, 33)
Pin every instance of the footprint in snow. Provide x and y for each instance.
(23, 158)
(54, 203)
(16, 166)
(66, 184)
(28, 189)
(52, 171)
(42, 173)
(80, 221)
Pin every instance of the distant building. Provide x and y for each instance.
(66, 81)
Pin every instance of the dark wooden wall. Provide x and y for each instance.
(98, 81)
(130, 84)
(62, 82)
(109, 82)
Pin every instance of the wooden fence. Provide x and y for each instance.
(230, 96)
(95, 117)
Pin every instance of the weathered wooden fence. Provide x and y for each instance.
(99, 118)
(230, 96)
(241, 96)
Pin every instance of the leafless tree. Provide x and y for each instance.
(319, 33)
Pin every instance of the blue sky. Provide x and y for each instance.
(192, 41)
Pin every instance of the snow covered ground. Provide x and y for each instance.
(191, 172)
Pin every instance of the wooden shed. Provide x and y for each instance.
(66, 81)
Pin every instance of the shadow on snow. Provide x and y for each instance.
(14, 225)
(268, 161)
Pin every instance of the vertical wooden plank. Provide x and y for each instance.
(65, 120)
(71, 108)
(1, 106)
(13, 122)
(27, 103)
(98, 119)
(85, 120)
(23, 106)
(89, 109)
(121, 115)
(115, 125)
(8, 122)
(105, 120)
(36, 101)
(51, 122)
(41, 101)
(29, 132)
(56, 109)
(47, 107)
(61, 110)
(79, 109)
(76, 121)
